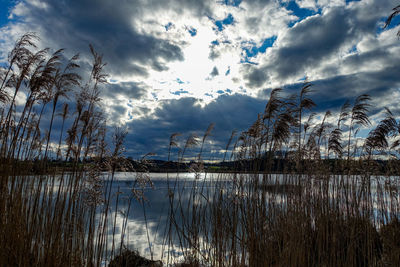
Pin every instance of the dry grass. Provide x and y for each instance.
(312, 214)
(308, 215)
(54, 216)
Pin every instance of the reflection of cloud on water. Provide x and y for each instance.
(130, 176)
(156, 208)
(154, 211)
(135, 236)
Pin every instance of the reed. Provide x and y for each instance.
(55, 213)
(326, 206)
(302, 192)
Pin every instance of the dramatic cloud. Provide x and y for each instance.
(188, 115)
(177, 65)
(110, 27)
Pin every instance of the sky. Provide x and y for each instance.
(179, 65)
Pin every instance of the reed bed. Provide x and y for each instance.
(303, 191)
(55, 191)
(288, 220)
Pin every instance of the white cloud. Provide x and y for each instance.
(145, 59)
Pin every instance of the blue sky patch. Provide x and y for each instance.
(168, 26)
(301, 13)
(253, 50)
(215, 42)
(179, 92)
(4, 11)
(302, 79)
(192, 31)
(394, 23)
(228, 71)
(179, 81)
(353, 49)
(269, 42)
(247, 60)
(130, 115)
(5, 8)
(226, 21)
(349, 1)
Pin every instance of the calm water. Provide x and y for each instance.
(147, 221)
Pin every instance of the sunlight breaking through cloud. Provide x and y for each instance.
(201, 50)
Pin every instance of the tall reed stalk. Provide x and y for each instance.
(54, 214)
(325, 212)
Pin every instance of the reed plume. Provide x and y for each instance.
(206, 134)
(358, 116)
(63, 83)
(378, 138)
(172, 143)
(229, 143)
(305, 103)
(64, 115)
(191, 141)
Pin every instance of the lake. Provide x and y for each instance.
(148, 223)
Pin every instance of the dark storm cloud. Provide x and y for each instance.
(195, 7)
(108, 26)
(132, 90)
(312, 42)
(255, 76)
(368, 58)
(360, 61)
(317, 38)
(186, 116)
(332, 93)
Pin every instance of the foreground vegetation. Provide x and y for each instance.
(308, 215)
(53, 216)
(346, 213)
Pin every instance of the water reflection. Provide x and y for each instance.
(145, 224)
(146, 221)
